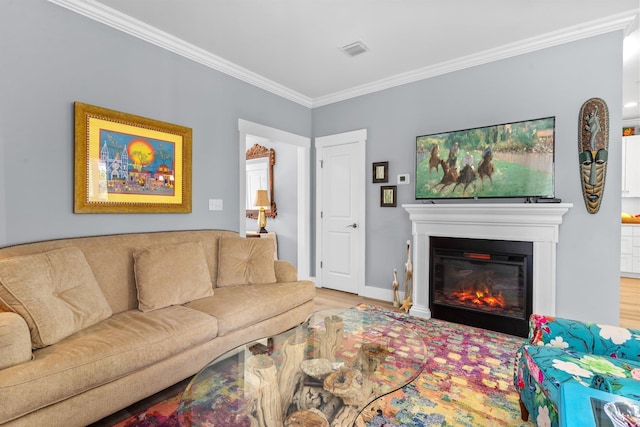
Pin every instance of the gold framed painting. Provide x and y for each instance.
(130, 164)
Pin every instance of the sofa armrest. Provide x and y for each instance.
(15, 340)
(285, 271)
(584, 337)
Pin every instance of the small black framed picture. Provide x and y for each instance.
(388, 196)
(380, 172)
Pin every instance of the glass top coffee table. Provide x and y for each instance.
(582, 406)
(321, 373)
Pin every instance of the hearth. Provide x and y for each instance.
(538, 224)
(481, 282)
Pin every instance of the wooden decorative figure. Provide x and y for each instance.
(290, 374)
(593, 146)
(262, 385)
(331, 339)
(395, 285)
(408, 280)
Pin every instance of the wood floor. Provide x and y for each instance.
(328, 298)
(630, 303)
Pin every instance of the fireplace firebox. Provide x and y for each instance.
(483, 283)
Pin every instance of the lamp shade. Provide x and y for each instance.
(262, 199)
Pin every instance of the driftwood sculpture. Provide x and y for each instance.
(346, 383)
(408, 280)
(290, 375)
(331, 340)
(307, 418)
(314, 392)
(395, 285)
(262, 385)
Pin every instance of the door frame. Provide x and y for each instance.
(246, 128)
(358, 137)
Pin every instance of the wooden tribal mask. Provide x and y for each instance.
(593, 151)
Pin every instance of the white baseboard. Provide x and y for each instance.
(377, 293)
(370, 292)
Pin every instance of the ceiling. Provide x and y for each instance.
(291, 47)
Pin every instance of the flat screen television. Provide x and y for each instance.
(501, 161)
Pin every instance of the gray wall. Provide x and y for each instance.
(52, 57)
(552, 82)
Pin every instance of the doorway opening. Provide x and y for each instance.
(248, 130)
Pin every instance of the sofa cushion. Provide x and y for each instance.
(171, 275)
(15, 340)
(285, 271)
(116, 347)
(585, 337)
(245, 261)
(237, 307)
(55, 292)
(550, 367)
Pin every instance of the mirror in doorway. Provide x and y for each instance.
(259, 176)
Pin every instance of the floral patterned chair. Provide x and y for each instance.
(561, 350)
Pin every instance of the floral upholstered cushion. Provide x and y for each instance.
(552, 366)
(559, 351)
(595, 338)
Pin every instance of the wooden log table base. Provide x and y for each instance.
(263, 387)
(307, 418)
(322, 373)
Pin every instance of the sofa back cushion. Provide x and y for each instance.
(111, 257)
(245, 262)
(15, 341)
(55, 292)
(171, 275)
(584, 337)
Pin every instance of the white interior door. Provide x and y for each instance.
(341, 225)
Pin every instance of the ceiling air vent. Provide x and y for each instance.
(354, 49)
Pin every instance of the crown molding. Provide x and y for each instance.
(99, 12)
(134, 27)
(623, 21)
(631, 122)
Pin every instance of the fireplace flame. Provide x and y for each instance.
(479, 296)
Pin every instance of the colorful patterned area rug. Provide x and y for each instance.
(467, 382)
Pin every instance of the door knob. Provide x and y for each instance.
(354, 225)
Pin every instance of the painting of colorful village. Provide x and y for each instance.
(135, 165)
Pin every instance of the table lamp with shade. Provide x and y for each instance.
(262, 200)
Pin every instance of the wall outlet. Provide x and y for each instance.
(215, 204)
(404, 179)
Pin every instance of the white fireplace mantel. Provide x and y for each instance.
(526, 222)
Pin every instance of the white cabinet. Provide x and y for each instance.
(630, 251)
(630, 169)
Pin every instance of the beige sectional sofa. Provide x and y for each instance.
(91, 325)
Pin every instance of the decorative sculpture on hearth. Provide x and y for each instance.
(593, 149)
(395, 285)
(408, 280)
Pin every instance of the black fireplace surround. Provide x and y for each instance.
(482, 283)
